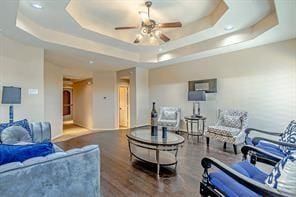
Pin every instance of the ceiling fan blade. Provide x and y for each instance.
(144, 16)
(164, 37)
(170, 25)
(137, 40)
(123, 28)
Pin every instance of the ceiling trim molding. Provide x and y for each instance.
(249, 33)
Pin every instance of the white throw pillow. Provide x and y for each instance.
(283, 176)
(231, 121)
(169, 115)
(15, 134)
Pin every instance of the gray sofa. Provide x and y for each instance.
(62, 174)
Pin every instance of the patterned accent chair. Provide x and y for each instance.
(170, 117)
(229, 128)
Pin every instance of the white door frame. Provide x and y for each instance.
(128, 104)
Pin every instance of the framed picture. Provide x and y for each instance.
(208, 85)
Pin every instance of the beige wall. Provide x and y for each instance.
(82, 104)
(22, 66)
(53, 98)
(259, 80)
(142, 97)
(104, 101)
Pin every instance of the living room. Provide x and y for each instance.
(168, 98)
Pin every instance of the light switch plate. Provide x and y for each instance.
(33, 91)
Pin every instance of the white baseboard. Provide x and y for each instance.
(57, 136)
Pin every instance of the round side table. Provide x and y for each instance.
(200, 125)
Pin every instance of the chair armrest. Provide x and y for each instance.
(255, 186)
(256, 140)
(248, 131)
(268, 158)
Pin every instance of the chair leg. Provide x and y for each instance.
(208, 141)
(235, 149)
(224, 146)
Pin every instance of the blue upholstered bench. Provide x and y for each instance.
(246, 179)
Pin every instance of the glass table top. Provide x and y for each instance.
(144, 136)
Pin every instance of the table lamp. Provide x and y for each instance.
(11, 95)
(198, 95)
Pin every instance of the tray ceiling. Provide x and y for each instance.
(86, 28)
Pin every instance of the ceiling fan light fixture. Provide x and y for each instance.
(157, 33)
(144, 16)
(150, 30)
(139, 36)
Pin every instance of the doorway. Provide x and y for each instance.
(76, 92)
(124, 104)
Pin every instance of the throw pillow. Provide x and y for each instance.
(289, 136)
(14, 153)
(169, 115)
(283, 176)
(232, 121)
(22, 123)
(15, 134)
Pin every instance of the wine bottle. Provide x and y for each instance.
(154, 120)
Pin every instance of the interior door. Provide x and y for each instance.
(66, 102)
(123, 106)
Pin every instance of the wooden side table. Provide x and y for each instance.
(200, 125)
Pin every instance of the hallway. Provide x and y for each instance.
(70, 130)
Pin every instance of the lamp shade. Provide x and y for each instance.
(11, 95)
(199, 95)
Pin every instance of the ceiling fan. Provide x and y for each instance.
(149, 27)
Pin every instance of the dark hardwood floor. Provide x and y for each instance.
(121, 177)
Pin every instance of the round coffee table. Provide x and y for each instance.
(154, 149)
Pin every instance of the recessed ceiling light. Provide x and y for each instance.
(91, 62)
(228, 27)
(36, 5)
(160, 49)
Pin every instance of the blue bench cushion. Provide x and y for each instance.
(271, 148)
(14, 153)
(229, 187)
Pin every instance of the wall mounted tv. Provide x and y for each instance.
(208, 85)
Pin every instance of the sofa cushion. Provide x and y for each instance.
(15, 134)
(225, 131)
(289, 136)
(13, 153)
(283, 176)
(22, 123)
(231, 121)
(229, 187)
